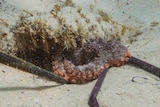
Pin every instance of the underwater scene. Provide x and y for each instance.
(79, 53)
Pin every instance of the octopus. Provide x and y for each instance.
(87, 63)
(93, 60)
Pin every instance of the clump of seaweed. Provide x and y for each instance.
(2, 21)
(5, 46)
(38, 43)
(2, 34)
(33, 34)
(3, 24)
(106, 18)
(69, 3)
(33, 42)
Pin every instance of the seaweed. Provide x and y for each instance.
(37, 43)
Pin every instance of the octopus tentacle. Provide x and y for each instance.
(146, 66)
(93, 100)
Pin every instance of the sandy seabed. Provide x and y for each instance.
(20, 89)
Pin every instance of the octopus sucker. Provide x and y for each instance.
(86, 63)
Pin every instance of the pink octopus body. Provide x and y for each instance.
(86, 64)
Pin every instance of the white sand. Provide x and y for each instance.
(20, 89)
